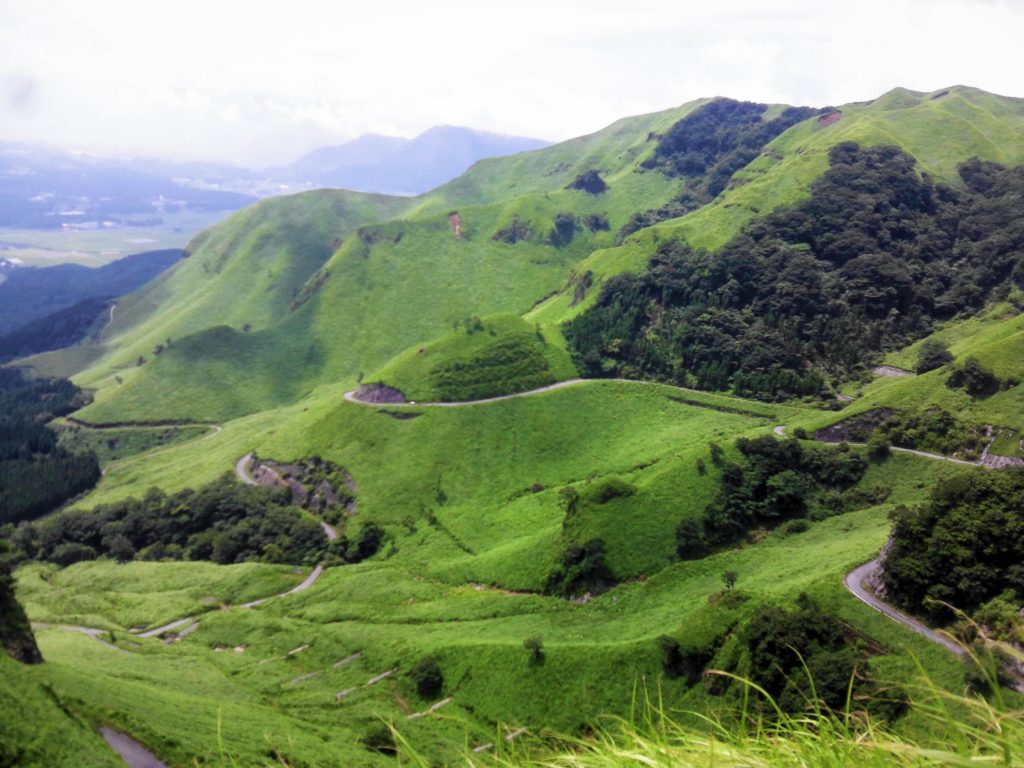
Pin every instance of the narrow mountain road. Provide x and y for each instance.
(166, 627)
(242, 469)
(780, 430)
(309, 582)
(351, 396)
(854, 582)
(243, 473)
(134, 754)
(110, 322)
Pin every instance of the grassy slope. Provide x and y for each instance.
(454, 488)
(412, 372)
(394, 614)
(409, 285)
(37, 729)
(412, 280)
(940, 129)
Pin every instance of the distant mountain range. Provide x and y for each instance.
(32, 293)
(394, 166)
(43, 188)
(46, 188)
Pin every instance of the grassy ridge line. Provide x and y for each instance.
(245, 270)
(373, 305)
(254, 234)
(987, 126)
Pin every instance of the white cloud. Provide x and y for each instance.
(263, 81)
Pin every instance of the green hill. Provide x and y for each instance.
(544, 560)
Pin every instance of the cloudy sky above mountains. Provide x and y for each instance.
(260, 82)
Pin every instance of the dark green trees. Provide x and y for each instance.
(962, 548)
(866, 264)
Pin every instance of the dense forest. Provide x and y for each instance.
(224, 521)
(706, 148)
(776, 481)
(814, 292)
(36, 474)
(963, 549)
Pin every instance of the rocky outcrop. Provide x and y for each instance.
(379, 393)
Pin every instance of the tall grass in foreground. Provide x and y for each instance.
(967, 730)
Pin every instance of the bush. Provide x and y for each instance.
(976, 379)
(580, 568)
(71, 553)
(589, 182)
(428, 678)
(878, 446)
(607, 489)
(691, 543)
(933, 354)
(563, 230)
(535, 645)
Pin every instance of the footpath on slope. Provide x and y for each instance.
(352, 396)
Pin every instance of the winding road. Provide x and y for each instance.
(351, 396)
(781, 432)
(243, 474)
(854, 582)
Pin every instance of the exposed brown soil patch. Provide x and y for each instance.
(830, 119)
(856, 429)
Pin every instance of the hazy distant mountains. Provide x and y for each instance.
(45, 188)
(31, 293)
(390, 165)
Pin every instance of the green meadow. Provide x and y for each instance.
(251, 344)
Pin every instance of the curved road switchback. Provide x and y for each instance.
(242, 471)
(854, 582)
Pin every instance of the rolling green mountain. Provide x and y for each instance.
(570, 546)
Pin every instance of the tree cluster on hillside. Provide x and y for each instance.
(580, 568)
(16, 636)
(964, 547)
(792, 649)
(778, 480)
(36, 474)
(868, 263)
(932, 429)
(706, 148)
(224, 521)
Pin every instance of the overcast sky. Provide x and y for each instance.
(259, 82)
